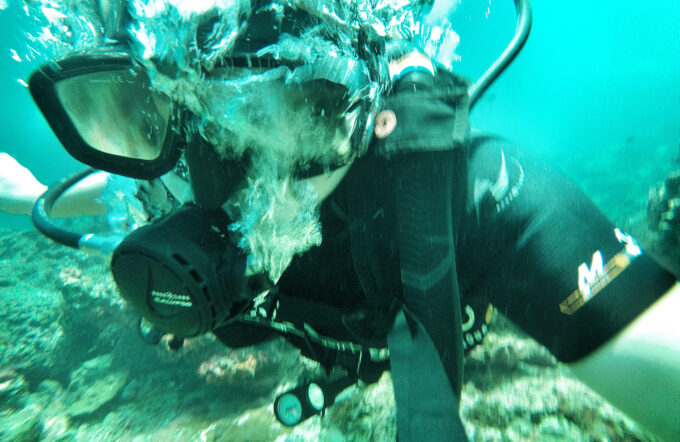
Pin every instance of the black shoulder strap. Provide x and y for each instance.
(426, 410)
(403, 248)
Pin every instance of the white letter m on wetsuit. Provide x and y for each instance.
(588, 276)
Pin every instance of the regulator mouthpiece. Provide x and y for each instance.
(183, 274)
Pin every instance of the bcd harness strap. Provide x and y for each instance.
(407, 212)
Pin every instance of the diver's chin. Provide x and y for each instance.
(321, 185)
(327, 182)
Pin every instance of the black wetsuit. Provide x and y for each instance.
(522, 236)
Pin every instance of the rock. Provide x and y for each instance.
(533, 399)
(50, 396)
(56, 428)
(24, 425)
(50, 389)
(366, 412)
(30, 331)
(259, 421)
(257, 369)
(13, 389)
(93, 385)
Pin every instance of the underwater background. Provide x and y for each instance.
(596, 90)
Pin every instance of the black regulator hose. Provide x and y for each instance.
(523, 9)
(41, 214)
(42, 219)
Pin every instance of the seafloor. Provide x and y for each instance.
(74, 368)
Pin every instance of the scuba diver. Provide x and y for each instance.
(338, 198)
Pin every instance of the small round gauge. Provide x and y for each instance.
(288, 409)
(315, 396)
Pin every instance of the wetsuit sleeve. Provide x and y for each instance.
(537, 248)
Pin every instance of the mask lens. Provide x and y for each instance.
(117, 113)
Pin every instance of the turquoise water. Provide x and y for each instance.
(595, 89)
(25, 134)
(595, 82)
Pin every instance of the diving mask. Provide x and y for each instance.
(107, 115)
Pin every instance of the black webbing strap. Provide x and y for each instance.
(425, 220)
(403, 249)
(426, 409)
(431, 300)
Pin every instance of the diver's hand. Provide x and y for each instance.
(18, 187)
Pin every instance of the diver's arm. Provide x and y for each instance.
(19, 189)
(81, 199)
(638, 370)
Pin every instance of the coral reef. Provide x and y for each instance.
(516, 390)
(237, 366)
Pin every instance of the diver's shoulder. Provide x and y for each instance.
(477, 138)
